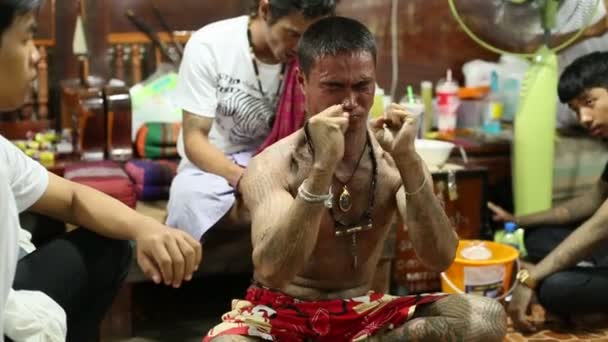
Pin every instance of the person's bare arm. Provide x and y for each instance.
(575, 210)
(576, 246)
(163, 253)
(204, 155)
(432, 235)
(284, 229)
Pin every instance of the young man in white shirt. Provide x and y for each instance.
(229, 85)
(568, 244)
(73, 278)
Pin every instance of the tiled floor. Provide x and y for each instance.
(166, 315)
(547, 335)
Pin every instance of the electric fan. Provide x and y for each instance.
(516, 27)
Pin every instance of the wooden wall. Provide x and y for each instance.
(105, 16)
(429, 39)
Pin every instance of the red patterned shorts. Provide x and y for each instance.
(274, 316)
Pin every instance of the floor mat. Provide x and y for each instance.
(555, 332)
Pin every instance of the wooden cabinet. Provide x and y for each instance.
(99, 117)
(495, 156)
(463, 194)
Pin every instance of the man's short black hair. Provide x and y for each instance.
(10, 9)
(586, 72)
(334, 36)
(310, 9)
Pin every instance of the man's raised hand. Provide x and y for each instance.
(326, 132)
(396, 131)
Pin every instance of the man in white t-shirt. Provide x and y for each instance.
(74, 278)
(228, 87)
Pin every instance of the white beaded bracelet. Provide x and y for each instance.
(417, 191)
(312, 198)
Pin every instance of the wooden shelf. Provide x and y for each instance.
(16, 130)
(140, 38)
(44, 42)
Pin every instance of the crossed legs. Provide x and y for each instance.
(454, 318)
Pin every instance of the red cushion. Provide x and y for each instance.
(105, 176)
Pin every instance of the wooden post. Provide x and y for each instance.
(43, 84)
(119, 63)
(158, 58)
(136, 63)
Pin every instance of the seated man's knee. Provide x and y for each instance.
(108, 259)
(488, 319)
(122, 252)
(117, 255)
(555, 291)
(99, 250)
(188, 197)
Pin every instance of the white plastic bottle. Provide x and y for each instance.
(447, 104)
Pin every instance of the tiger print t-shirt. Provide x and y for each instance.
(217, 80)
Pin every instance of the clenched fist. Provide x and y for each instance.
(326, 133)
(396, 131)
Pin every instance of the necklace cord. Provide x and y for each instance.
(256, 69)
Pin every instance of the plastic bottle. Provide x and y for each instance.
(491, 124)
(510, 98)
(510, 238)
(513, 236)
(447, 104)
(426, 93)
(377, 109)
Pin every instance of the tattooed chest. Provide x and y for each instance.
(347, 258)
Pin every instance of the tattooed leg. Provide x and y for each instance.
(454, 318)
(429, 329)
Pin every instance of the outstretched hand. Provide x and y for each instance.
(500, 215)
(168, 255)
(396, 131)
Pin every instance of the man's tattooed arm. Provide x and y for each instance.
(574, 210)
(284, 229)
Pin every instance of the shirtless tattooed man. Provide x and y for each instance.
(322, 201)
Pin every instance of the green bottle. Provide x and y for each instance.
(512, 236)
(426, 93)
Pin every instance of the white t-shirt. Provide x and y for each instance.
(22, 183)
(8, 242)
(217, 80)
